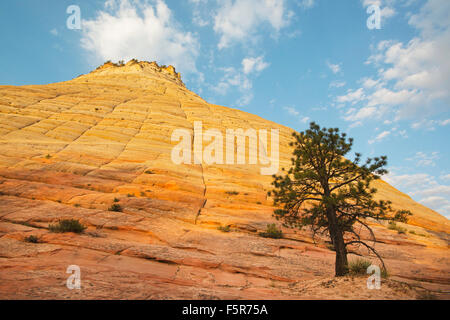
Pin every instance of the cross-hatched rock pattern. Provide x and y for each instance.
(72, 150)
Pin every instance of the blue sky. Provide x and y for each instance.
(290, 61)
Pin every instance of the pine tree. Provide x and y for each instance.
(331, 194)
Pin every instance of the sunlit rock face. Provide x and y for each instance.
(71, 150)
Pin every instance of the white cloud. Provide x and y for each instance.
(425, 189)
(200, 13)
(251, 65)
(352, 96)
(241, 79)
(293, 112)
(337, 84)
(335, 68)
(239, 20)
(54, 32)
(233, 78)
(369, 83)
(145, 30)
(307, 4)
(424, 160)
(361, 114)
(305, 119)
(413, 77)
(429, 125)
(380, 137)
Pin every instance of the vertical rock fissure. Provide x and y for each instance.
(201, 167)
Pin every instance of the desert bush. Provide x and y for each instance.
(224, 228)
(272, 232)
(116, 200)
(359, 266)
(130, 195)
(115, 207)
(393, 226)
(232, 193)
(31, 239)
(69, 225)
(149, 172)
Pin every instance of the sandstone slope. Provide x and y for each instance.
(68, 150)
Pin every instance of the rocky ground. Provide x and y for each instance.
(71, 150)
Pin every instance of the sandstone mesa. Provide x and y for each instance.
(69, 149)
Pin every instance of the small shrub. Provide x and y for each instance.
(115, 207)
(412, 232)
(31, 239)
(143, 194)
(116, 200)
(67, 226)
(272, 232)
(232, 193)
(130, 195)
(48, 156)
(359, 266)
(76, 205)
(422, 235)
(224, 229)
(149, 172)
(393, 226)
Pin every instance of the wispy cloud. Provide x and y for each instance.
(335, 68)
(383, 135)
(424, 188)
(241, 20)
(412, 77)
(251, 65)
(424, 160)
(293, 112)
(306, 4)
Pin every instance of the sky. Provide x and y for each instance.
(289, 61)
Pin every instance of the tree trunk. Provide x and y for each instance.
(337, 237)
(341, 267)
